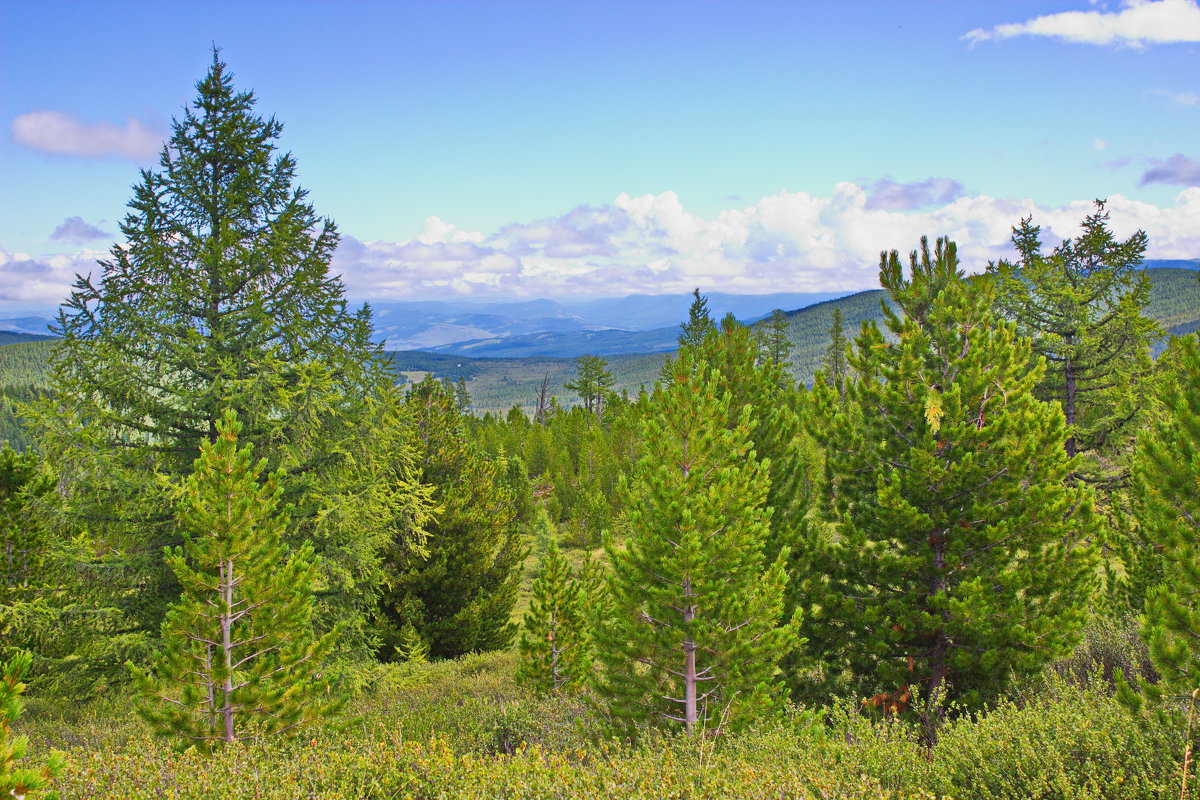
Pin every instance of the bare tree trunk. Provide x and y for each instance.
(542, 401)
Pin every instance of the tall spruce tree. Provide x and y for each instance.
(694, 632)
(239, 660)
(778, 348)
(1166, 500)
(954, 555)
(699, 322)
(1082, 305)
(459, 598)
(219, 296)
(834, 362)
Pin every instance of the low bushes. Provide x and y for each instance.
(464, 729)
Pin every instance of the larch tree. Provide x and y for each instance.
(694, 630)
(239, 660)
(459, 597)
(1082, 306)
(1166, 501)
(953, 556)
(219, 296)
(593, 382)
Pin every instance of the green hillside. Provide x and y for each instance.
(496, 384)
(1174, 303)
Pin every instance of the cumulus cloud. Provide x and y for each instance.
(1136, 24)
(1178, 169)
(791, 241)
(76, 231)
(888, 195)
(66, 134)
(46, 279)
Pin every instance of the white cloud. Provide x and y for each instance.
(1138, 23)
(46, 279)
(1099, 145)
(66, 134)
(791, 241)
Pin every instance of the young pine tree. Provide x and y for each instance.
(239, 659)
(954, 556)
(694, 634)
(555, 645)
(24, 783)
(1166, 500)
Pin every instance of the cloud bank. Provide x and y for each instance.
(791, 241)
(66, 134)
(1138, 23)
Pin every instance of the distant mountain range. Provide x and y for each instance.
(561, 327)
(610, 326)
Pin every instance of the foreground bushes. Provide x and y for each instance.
(462, 729)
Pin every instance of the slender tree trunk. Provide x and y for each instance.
(227, 648)
(690, 715)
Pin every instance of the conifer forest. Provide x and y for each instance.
(942, 541)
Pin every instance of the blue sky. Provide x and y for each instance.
(544, 149)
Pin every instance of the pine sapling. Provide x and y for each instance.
(239, 659)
